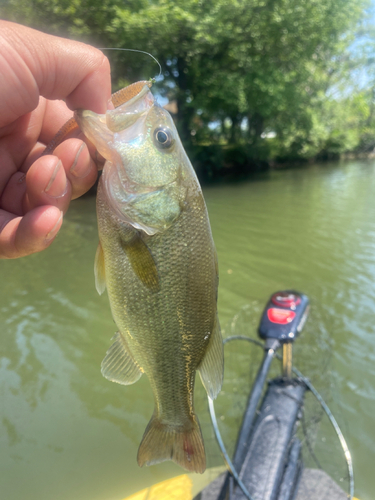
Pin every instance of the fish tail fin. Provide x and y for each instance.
(182, 444)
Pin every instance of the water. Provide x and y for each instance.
(67, 433)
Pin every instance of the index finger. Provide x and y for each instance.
(34, 64)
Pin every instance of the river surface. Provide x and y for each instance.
(66, 433)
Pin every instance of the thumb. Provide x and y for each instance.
(34, 64)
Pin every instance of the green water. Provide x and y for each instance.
(66, 433)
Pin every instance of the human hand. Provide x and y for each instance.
(35, 71)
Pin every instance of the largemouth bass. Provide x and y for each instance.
(157, 259)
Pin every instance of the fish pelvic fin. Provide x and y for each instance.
(182, 444)
(211, 368)
(119, 365)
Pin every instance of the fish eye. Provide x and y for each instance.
(163, 137)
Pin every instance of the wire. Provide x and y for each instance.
(309, 385)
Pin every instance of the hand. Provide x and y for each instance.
(35, 71)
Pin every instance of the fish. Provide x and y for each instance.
(157, 260)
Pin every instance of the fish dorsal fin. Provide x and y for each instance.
(141, 260)
(99, 270)
(119, 365)
(211, 369)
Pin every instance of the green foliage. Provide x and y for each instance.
(237, 69)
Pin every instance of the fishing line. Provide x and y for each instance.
(136, 50)
(233, 471)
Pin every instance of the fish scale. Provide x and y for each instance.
(150, 317)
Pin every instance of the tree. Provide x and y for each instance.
(260, 65)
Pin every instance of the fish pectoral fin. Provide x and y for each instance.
(142, 261)
(119, 365)
(211, 368)
(99, 270)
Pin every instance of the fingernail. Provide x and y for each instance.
(80, 170)
(53, 187)
(55, 229)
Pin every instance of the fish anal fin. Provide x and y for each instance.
(211, 368)
(99, 270)
(142, 261)
(119, 365)
(183, 445)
